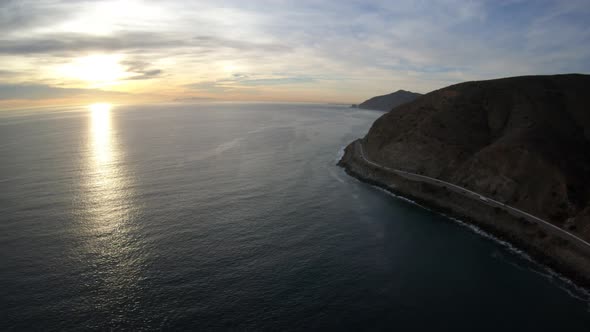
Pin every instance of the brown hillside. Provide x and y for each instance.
(523, 140)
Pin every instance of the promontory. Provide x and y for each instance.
(387, 102)
(510, 155)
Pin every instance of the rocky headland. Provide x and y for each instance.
(390, 101)
(517, 150)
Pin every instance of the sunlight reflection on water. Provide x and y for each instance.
(108, 183)
(102, 147)
(110, 210)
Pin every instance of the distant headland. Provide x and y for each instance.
(388, 102)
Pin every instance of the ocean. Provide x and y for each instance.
(234, 216)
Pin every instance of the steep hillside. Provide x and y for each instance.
(524, 142)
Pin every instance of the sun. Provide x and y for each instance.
(97, 69)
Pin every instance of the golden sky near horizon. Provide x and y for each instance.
(64, 52)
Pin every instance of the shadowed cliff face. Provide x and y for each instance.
(524, 141)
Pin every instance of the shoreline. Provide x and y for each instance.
(546, 272)
(563, 260)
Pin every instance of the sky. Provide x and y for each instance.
(57, 52)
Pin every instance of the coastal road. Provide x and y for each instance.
(560, 232)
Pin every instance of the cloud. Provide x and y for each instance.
(146, 75)
(7, 73)
(211, 86)
(19, 15)
(216, 42)
(141, 70)
(345, 49)
(241, 81)
(68, 43)
(73, 43)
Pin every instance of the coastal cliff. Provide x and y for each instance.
(522, 142)
(387, 102)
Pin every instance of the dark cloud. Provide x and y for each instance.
(240, 75)
(40, 91)
(68, 42)
(125, 41)
(16, 15)
(135, 65)
(146, 75)
(7, 73)
(141, 68)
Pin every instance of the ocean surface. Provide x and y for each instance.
(229, 216)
